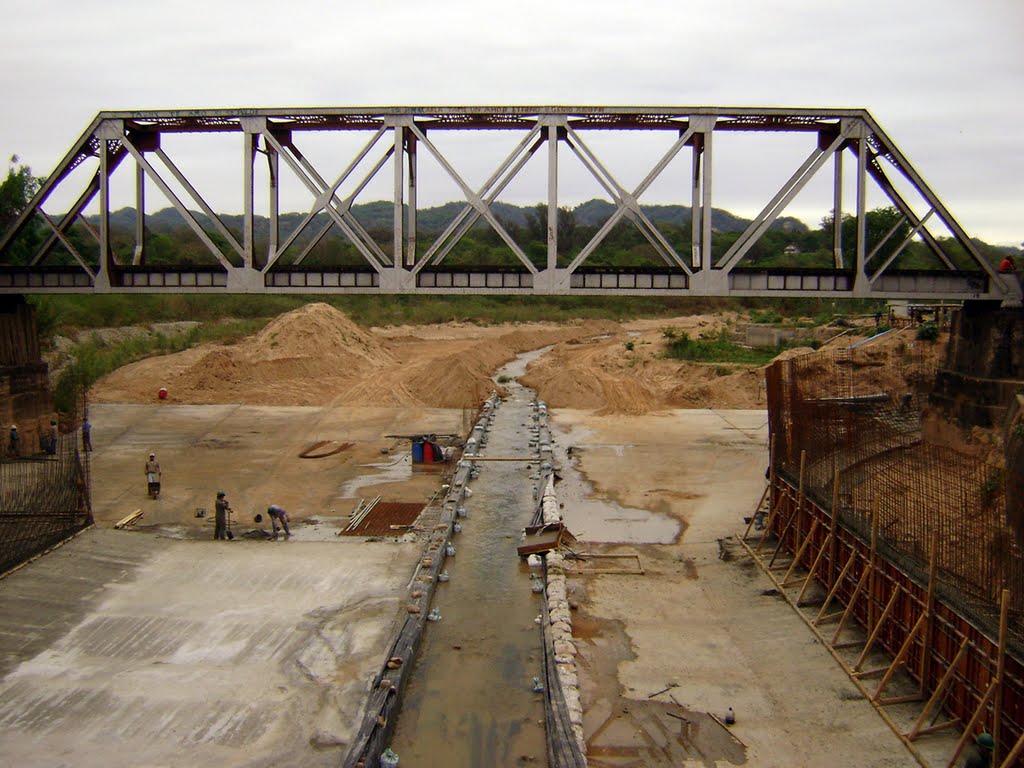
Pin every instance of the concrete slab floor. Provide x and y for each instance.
(703, 619)
(162, 647)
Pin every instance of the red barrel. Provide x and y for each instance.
(428, 453)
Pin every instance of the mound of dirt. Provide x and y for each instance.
(300, 358)
(317, 356)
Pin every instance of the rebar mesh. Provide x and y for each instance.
(43, 500)
(858, 414)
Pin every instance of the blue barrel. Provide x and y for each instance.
(417, 452)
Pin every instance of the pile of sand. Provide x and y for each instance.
(316, 355)
(300, 358)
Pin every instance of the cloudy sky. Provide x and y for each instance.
(944, 78)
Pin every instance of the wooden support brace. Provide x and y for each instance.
(850, 644)
(768, 522)
(831, 617)
(866, 673)
(969, 728)
(800, 552)
(938, 692)
(796, 511)
(814, 568)
(899, 699)
(901, 657)
(944, 726)
(1017, 751)
(877, 630)
(756, 510)
(832, 593)
(997, 707)
(853, 601)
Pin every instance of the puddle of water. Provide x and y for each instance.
(595, 520)
(393, 471)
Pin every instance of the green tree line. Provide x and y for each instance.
(788, 243)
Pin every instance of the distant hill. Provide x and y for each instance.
(379, 215)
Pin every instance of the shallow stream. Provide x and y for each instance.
(470, 700)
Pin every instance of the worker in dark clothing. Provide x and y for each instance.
(979, 754)
(51, 447)
(15, 441)
(86, 435)
(278, 515)
(220, 529)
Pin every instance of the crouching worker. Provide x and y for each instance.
(278, 516)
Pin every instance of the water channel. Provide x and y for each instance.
(470, 700)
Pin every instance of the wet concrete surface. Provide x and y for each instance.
(470, 701)
(192, 653)
(161, 647)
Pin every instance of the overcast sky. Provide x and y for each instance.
(944, 78)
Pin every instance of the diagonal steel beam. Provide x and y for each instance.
(321, 203)
(899, 249)
(475, 200)
(67, 244)
(335, 206)
(904, 166)
(778, 203)
(629, 201)
(626, 203)
(198, 200)
(343, 206)
(469, 215)
(875, 170)
(316, 189)
(185, 213)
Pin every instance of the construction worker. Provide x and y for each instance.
(220, 528)
(15, 440)
(51, 447)
(277, 514)
(979, 754)
(86, 435)
(153, 475)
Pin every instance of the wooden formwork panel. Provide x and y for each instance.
(804, 529)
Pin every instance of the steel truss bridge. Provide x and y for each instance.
(397, 136)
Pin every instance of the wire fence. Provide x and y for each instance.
(44, 498)
(856, 415)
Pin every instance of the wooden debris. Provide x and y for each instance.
(129, 520)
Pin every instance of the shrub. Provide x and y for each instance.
(630, 345)
(928, 331)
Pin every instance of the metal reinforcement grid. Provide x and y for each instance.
(43, 500)
(912, 536)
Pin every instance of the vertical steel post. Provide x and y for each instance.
(249, 155)
(837, 211)
(410, 219)
(103, 263)
(859, 279)
(706, 212)
(552, 197)
(274, 192)
(399, 214)
(139, 254)
(696, 211)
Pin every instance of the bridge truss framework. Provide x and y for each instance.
(396, 136)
